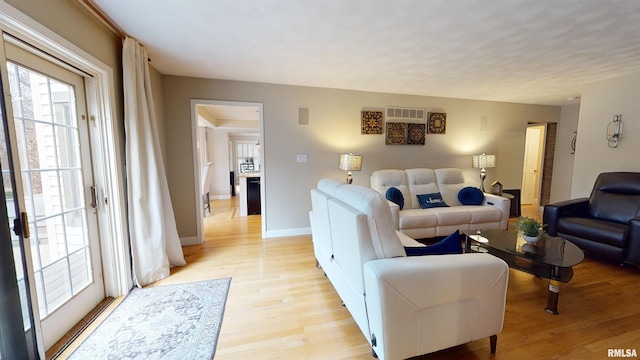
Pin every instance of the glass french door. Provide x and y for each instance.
(17, 338)
(56, 192)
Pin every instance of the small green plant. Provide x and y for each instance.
(529, 226)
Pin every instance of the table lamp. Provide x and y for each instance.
(482, 162)
(350, 162)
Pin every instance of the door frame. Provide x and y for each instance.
(194, 103)
(107, 142)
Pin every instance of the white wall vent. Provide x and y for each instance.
(405, 114)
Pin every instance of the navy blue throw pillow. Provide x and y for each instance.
(394, 195)
(471, 196)
(449, 245)
(428, 201)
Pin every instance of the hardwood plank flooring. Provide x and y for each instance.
(281, 307)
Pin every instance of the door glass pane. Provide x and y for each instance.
(14, 334)
(49, 152)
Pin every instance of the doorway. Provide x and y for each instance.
(52, 151)
(58, 133)
(537, 170)
(225, 124)
(532, 164)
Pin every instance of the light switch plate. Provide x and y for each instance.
(301, 158)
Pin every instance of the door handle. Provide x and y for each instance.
(21, 225)
(94, 197)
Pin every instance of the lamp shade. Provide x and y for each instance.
(484, 161)
(350, 162)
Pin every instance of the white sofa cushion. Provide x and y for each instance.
(319, 217)
(407, 241)
(418, 218)
(483, 214)
(381, 226)
(413, 303)
(329, 186)
(382, 180)
(453, 216)
(421, 181)
(450, 182)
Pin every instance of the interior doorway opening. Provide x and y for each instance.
(219, 129)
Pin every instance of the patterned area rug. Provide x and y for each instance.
(164, 322)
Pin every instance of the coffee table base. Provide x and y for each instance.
(552, 298)
(552, 258)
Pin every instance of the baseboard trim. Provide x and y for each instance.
(287, 232)
(190, 240)
(220, 197)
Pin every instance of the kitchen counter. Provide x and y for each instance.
(250, 193)
(247, 174)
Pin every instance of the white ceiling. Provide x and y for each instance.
(535, 52)
(237, 119)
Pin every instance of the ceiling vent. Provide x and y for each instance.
(405, 114)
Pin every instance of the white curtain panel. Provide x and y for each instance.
(155, 244)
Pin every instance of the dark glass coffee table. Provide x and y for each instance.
(550, 257)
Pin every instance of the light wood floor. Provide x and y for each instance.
(281, 307)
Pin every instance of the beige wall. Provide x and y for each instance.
(335, 128)
(563, 157)
(219, 155)
(600, 102)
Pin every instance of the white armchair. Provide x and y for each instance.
(405, 306)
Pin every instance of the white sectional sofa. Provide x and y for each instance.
(420, 223)
(404, 306)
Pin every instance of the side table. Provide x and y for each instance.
(514, 196)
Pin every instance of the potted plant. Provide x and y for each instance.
(531, 228)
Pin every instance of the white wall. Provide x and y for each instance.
(219, 155)
(335, 128)
(600, 102)
(563, 157)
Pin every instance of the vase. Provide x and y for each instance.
(529, 249)
(530, 239)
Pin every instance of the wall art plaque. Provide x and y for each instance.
(396, 133)
(372, 122)
(437, 123)
(415, 134)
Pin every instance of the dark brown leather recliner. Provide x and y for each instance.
(606, 224)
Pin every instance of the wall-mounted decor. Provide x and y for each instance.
(372, 122)
(437, 123)
(415, 134)
(396, 134)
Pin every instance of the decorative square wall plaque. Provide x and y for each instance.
(372, 122)
(437, 123)
(415, 134)
(396, 134)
